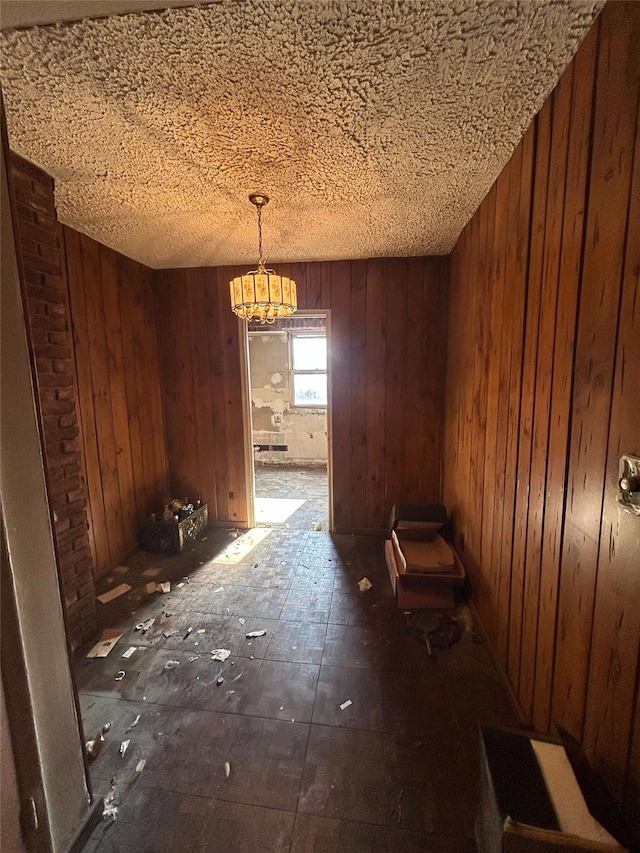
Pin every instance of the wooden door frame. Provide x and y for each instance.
(249, 466)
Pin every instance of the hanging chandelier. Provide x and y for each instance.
(261, 294)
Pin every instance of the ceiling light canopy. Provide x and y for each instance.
(261, 294)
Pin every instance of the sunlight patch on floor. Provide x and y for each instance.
(276, 510)
(238, 550)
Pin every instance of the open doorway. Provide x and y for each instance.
(290, 417)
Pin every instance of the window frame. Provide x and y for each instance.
(292, 371)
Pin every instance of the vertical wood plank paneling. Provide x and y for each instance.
(492, 455)
(98, 358)
(548, 277)
(513, 312)
(613, 676)
(218, 459)
(536, 143)
(562, 612)
(314, 285)
(358, 438)
(150, 391)
(307, 290)
(414, 339)
(375, 392)
(477, 395)
(91, 463)
(618, 77)
(118, 393)
(396, 380)
(531, 405)
(130, 354)
(631, 794)
(238, 499)
(371, 303)
(572, 228)
(432, 379)
(205, 490)
(116, 352)
(341, 387)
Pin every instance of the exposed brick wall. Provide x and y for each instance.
(40, 249)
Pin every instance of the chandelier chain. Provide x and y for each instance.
(260, 258)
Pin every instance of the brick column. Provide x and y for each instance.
(40, 249)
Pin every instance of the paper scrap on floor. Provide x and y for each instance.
(220, 654)
(164, 587)
(105, 644)
(114, 593)
(129, 652)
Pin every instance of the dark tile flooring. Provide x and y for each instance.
(393, 771)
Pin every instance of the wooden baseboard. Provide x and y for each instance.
(513, 698)
(91, 820)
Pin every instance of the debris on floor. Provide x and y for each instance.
(397, 811)
(121, 674)
(317, 525)
(172, 664)
(364, 584)
(116, 592)
(105, 644)
(220, 654)
(134, 723)
(151, 573)
(227, 770)
(144, 626)
(110, 809)
(140, 765)
(164, 587)
(253, 634)
(464, 615)
(434, 629)
(94, 746)
(129, 652)
(124, 746)
(345, 705)
(219, 681)
(188, 631)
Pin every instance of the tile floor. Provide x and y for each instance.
(292, 497)
(394, 771)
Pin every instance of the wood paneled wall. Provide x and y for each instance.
(542, 382)
(387, 351)
(113, 313)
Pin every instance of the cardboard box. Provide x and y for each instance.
(530, 799)
(423, 556)
(415, 591)
(418, 522)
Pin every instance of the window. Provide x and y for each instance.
(309, 369)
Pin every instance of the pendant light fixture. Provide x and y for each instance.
(261, 294)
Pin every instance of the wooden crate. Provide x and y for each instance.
(171, 537)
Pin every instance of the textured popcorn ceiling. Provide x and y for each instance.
(376, 127)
